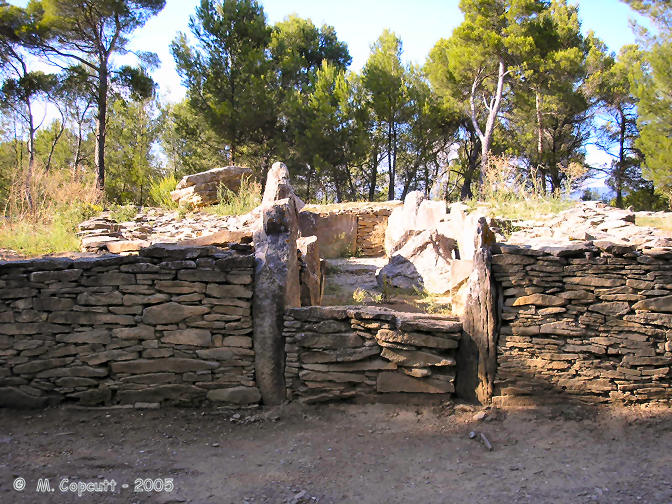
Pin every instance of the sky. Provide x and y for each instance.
(419, 24)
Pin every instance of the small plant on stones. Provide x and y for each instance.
(386, 291)
(360, 296)
(123, 213)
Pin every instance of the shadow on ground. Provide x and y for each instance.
(346, 453)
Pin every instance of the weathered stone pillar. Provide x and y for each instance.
(276, 282)
(477, 353)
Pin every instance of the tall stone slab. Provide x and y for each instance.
(477, 354)
(278, 186)
(276, 282)
(310, 271)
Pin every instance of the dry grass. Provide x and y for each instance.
(42, 218)
(663, 223)
(246, 199)
(506, 193)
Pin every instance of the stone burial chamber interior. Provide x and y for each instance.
(230, 314)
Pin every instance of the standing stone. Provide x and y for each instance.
(477, 353)
(278, 187)
(403, 219)
(310, 271)
(276, 282)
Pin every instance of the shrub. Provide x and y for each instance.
(123, 213)
(159, 192)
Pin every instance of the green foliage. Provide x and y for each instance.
(384, 78)
(132, 133)
(31, 239)
(645, 199)
(88, 34)
(386, 291)
(299, 49)
(653, 87)
(190, 144)
(240, 202)
(123, 213)
(47, 235)
(225, 74)
(326, 133)
(159, 192)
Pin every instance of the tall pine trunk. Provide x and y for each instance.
(620, 169)
(101, 123)
(390, 163)
(373, 176)
(31, 155)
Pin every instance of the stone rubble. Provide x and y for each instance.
(589, 222)
(101, 234)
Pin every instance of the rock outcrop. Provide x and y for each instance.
(201, 189)
(423, 261)
(417, 214)
(431, 249)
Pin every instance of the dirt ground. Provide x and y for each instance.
(342, 453)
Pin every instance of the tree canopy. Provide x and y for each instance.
(518, 87)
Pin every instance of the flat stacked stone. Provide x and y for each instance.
(337, 353)
(592, 319)
(101, 234)
(171, 325)
(590, 221)
(202, 189)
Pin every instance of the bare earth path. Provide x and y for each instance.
(346, 453)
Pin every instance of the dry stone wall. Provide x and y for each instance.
(172, 324)
(593, 320)
(349, 228)
(346, 352)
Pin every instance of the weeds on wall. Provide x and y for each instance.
(431, 303)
